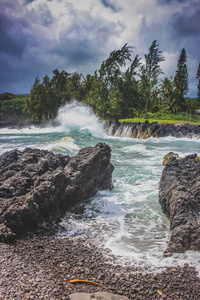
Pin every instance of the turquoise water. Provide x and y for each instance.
(128, 220)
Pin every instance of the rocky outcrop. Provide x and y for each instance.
(145, 130)
(37, 186)
(179, 196)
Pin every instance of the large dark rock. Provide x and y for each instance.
(38, 187)
(179, 197)
(146, 129)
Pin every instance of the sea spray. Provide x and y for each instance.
(77, 116)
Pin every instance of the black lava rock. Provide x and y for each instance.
(179, 197)
(37, 187)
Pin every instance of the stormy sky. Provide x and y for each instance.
(38, 36)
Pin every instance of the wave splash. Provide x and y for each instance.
(76, 117)
(72, 117)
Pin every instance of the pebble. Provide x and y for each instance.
(41, 267)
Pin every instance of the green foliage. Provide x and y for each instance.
(129, 89)
(115, 104)
(198, 84)
(6, 96)
(181, 77)
(104, 88)
(150, 71)
(93, 96)
(47, 96)
(12, 106)
(172, 97)
(16, 104)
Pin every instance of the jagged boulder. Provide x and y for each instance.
(38, 187)
(179, 196)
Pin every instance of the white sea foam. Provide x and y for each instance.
(138, 148)
(62, 145)
(28, 130)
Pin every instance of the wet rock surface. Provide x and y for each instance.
(37, 187)
(167, 157)
(179, 196)
(41, 267)
(145, 129)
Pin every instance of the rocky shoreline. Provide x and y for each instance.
(40, 267)
(144, 130)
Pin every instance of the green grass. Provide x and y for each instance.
(163, 117)
(135, 120)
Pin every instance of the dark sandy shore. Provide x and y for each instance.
(41, 267)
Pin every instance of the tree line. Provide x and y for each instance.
(12, 107)
(115, 90)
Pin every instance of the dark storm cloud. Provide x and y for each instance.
(37, 37)
(169, 2)
(80, 51)
(16, 33)
(107, 4)
(11, 35)
(17, 37)
(28, 49)
(8, 43)
(185, 26)
(185, 29)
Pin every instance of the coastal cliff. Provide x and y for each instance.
(37, 187)
(145, 130)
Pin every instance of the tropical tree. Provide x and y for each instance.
(191, 106)
(198, 84)
(93, 95)
(110, 73)
(101, 88)
(36, 103)
(172, 98)
(51, 99)
(129, 90)
(58, 83)
(115, 104)
(150, 71)
(181, 78)
(72, 88)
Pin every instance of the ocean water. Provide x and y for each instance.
(127, 220)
